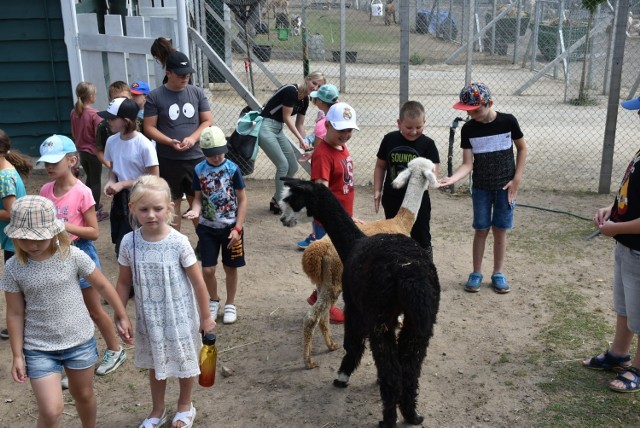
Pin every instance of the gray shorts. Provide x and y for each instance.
(626, 286)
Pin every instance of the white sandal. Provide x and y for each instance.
(155, 422)
(230, 315)
(186, 418)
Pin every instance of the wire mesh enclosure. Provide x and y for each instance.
(531, 54)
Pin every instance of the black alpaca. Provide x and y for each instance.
(384, 276)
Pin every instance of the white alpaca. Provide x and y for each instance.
(321, 262)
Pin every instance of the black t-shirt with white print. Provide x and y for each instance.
(492, 146)
(286, 96)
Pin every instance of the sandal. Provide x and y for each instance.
(155, 422)
(608, 362)
(101, 215)
(630, 385)
(186, 418)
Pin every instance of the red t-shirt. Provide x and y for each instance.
(335, 166)
(84, 129)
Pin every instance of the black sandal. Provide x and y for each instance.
(609, 362)
(274, 207)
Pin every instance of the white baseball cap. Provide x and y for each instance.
(342, 116)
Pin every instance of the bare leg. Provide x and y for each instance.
(100, 318)
(184, 400)
(209, 274)
(479, 240)
(195, 221)
(232, 284)
(177, 219)
(158, 388)
(499, 249)
(81, 389)
(49, 397)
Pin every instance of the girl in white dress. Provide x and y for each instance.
(162, 267)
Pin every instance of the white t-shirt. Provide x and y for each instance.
(55, 315)
(130, 158)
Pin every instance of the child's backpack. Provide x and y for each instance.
(243, 143)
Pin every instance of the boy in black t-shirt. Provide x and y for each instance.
(487, 149)
(621, 221)
(396, 150)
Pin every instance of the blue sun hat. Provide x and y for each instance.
(473, 96)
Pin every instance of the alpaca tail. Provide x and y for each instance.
(312, 259)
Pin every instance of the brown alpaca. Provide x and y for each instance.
(274, 5)
(389, 13)
(321, 262)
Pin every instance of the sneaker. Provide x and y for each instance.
(230, 315)
(336, 316)
(214, 306)
(499, 283)
(473, 283)
(313, 298)
(111, 360)
(4, 334)
(64, 382)
(306, 241)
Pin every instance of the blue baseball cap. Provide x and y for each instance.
(326, 93)
(140, 88)
(633, 104)
(54, 148)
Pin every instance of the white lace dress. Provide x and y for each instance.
(167, 320)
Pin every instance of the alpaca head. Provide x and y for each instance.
(298, 194)
(419, 171)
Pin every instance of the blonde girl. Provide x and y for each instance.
(288, 101)
(84, 125)
(12, 166)
(76, 208)
(172, 302)
(49, 325)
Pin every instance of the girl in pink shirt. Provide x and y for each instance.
(84, 124)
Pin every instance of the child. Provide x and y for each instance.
(130, 155)
(621, 221)
(487, 149)
(117, 89)
(48, 321)
(12, 164)
(139, 92)
(84, 126)
(396, 150)
(323, 98)
(331, 165)
(162, 267)
(76, 208)
(220, 202)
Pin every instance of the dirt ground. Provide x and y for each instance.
(466, 378)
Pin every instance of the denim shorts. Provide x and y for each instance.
(44, 363)
(213, 240)
(626, 286)
(491, 208)
(90, 249)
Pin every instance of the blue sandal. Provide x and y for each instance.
(630, 385)
(609, 362)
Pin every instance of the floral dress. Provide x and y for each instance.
(167, 320)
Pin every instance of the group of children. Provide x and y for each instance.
(49, 321)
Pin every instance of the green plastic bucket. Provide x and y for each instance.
(283, 34)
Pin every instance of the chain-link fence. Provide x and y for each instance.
(532, 56)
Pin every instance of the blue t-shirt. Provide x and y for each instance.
(10, 185)
(218, 185)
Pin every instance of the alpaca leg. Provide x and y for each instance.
(385, 355)
(412, 349)
(354, 338)
(326, 299)
(309, 326)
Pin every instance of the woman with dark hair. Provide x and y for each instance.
(160, 50)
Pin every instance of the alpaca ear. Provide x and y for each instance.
(401, 179)
(431, 179)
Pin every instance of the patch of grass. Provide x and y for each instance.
(416, 59)
(577, 396)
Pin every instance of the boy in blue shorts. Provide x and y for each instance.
(487, 145)
(220, 204)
